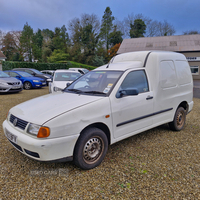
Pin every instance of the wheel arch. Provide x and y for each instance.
(185, 105)
(27, 81)
(100, 126)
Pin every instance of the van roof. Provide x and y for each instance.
(138, 59)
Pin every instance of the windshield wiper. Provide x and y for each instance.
(95, 92)
(75, 90)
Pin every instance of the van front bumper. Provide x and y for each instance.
(190, 106)
(52, 149)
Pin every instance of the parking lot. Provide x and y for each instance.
(156, 164)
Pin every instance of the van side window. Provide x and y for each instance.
(183, 72)
(136, 80)
(168, 76)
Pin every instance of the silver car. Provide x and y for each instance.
(9, 84)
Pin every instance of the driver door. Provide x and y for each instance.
(132, 113)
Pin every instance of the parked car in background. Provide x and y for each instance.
(9, 84)
(48, 72)
(61, 78)
(36, 73)
(27, 79)
(81, 70)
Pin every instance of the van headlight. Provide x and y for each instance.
(33, 129)
(39, 131)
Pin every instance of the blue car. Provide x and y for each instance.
(28, 80)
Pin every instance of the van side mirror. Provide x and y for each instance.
(127, 92)
(68, 84)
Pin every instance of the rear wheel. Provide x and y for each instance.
(179, 120)
(91, 148)
(27, 85)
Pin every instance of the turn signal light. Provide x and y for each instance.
(43, 132)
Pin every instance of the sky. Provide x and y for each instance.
(184, 15)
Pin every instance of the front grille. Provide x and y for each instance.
(14, 83)
(18, 122)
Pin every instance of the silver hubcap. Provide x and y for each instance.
(92, 150)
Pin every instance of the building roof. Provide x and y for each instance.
(178, 43)
(2, 55)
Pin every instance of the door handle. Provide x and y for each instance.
(149, 97)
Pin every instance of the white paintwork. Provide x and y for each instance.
(51, 105)
(67, 114)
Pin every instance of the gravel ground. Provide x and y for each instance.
(156, 164)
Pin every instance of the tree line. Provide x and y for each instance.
(87, 40)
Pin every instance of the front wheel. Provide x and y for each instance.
(179, 120)
(90, 149)
(27, 86)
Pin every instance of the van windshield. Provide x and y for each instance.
(95, 82)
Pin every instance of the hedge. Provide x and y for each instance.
(79, 65)
(8, 65)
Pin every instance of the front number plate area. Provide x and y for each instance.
(10, 136)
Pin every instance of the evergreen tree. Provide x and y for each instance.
(60, 39)
(37, 41)
(115, 37)
(65, 38)
(26, 41)
(47, 47)
(106, 26)
(137, 29)
(85, 37)
(58, 56)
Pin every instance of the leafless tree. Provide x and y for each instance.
(164, 29)
(153, 27)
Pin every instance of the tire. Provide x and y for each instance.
(179, 120)
(27, 85)
(90, 148)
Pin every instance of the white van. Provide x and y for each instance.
(133, 93)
